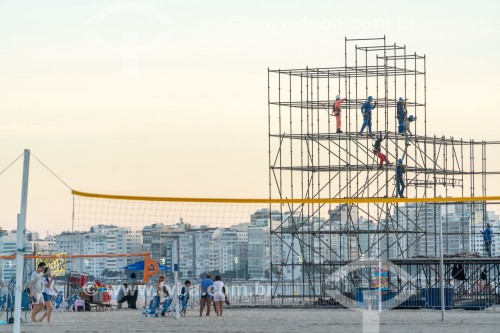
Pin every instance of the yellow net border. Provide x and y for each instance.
(284, 201)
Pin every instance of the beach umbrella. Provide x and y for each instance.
(139, 266)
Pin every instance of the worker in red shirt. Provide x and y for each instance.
(337, 111)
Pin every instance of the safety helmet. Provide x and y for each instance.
(411, 117)
(370, 98)
(400, 161)
(337, 97)
(401, 99)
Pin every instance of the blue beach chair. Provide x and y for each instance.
(58, 303)
(3, 305)
(25, 304)
(152, 309)
(70, 301)
(167, 308)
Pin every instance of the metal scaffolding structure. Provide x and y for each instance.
(308, 160)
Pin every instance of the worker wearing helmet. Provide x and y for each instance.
(409, 120)
(366, 110)
(401, 113)
(337, 112)
(400, 182)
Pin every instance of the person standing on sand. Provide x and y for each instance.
(184, 296)
(49, 292)
(36, 290)
(205, 297)
(134, 291)
(219, 296)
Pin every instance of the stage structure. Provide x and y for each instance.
(309, 160)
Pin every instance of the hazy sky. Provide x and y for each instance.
(169, 98)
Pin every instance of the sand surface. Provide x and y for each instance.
(269, 320)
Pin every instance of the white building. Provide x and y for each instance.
(228, 250)
(8, 246)
(94, 243)
(194, 251)
(461, 225)
(71, 243)
(102, 239)
(259, 258)
(132, 243)
(41, 246)
(163, 242)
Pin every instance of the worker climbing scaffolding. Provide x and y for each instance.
(377, 150)
(382, 159)
(400, 182)
(378, 142)
(401, 113)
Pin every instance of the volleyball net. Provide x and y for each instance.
(246, 237)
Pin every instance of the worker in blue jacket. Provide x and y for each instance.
(366, 110)
(400, 182)
(487, 237)
(401, 113)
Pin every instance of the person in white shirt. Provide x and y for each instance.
(49, 292)
(219, 295)
(36, 290)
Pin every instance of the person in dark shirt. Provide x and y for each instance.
(377, 145)
(184, 296)
(400, 182)
(488, 238)
(366, 110)
(401, 113)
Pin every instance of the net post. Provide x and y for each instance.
(176, 290)
(21, 232)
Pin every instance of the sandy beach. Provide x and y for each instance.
(269, 320)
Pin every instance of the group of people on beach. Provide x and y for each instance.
(212, 291)
(42, 291)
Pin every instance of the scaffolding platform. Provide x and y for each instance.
(308, 159)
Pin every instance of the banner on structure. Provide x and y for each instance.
(57, 265)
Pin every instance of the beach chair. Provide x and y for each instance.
(3, 304)
(70, 301)
(152, 309)
(25, 304)
(167, 309)
(58, 304)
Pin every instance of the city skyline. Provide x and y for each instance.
(249, 248)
